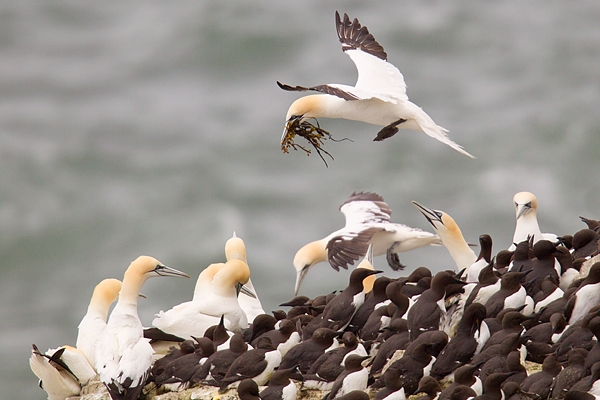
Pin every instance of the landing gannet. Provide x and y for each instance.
(367, 222)
(378, 97)
(123, 355)
(527, 225)
(216, 295)
(450, 234)
(236, 249)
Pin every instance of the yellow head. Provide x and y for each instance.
(525, 202)
(309, 255)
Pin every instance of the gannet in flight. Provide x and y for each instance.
(527, 225)
(123, 355)
(450, 234)
(367, 222)
(378, 97)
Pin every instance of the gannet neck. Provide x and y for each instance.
(205, 279)
(105, 293)
(138, 272)
(311, 254)
(235, 249)
(225, 281)
(455, 242)
(367, 263)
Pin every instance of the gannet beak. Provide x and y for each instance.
(163, 270)
(289, 124)
(428, 213)
(240, 288)
(300, 275)
(522, 209)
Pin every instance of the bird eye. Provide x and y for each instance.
(528, 205)
(439, 214)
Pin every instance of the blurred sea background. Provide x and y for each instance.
(131, 128)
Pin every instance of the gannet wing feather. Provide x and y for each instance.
(365, 208)
(348, 248)
(375, 74)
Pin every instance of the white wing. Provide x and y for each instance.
(375, 75)
(365, 209)
(378, 77)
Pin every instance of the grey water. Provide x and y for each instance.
(131, 128)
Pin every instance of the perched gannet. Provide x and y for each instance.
(367, 222)
(93, 323)
(236, 249)
(378, 98)
(450, 234)
(527, 225)
(61, 371)
(123, 355)
(216, 296)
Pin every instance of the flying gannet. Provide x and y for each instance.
(367, 222)
(378, 97)
(123, 355)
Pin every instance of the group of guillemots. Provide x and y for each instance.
(459, 334)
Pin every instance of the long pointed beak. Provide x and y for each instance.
(163, 270)
(240, 288)
(521, 209)
(300, 275)
(430, 214)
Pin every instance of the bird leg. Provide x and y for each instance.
(388, 131)
(393, 259)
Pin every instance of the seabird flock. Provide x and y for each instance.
(464, 333)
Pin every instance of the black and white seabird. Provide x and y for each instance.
(340, 310)
(213, 370)
(510, 295)
(257, 364)
(325, 370)
(354, 377)
(280, 386)
(461, 348)
(378, 97)
(368, 222)
(586, 297)
(425, 314)
(463, 376)
(307, 352)
(123, 355)
(248, 390)
(541, 382)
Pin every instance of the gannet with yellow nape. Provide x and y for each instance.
(123, 355)
(378, 97)
(216, 295)
(367, 222)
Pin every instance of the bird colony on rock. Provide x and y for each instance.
(464, 332)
